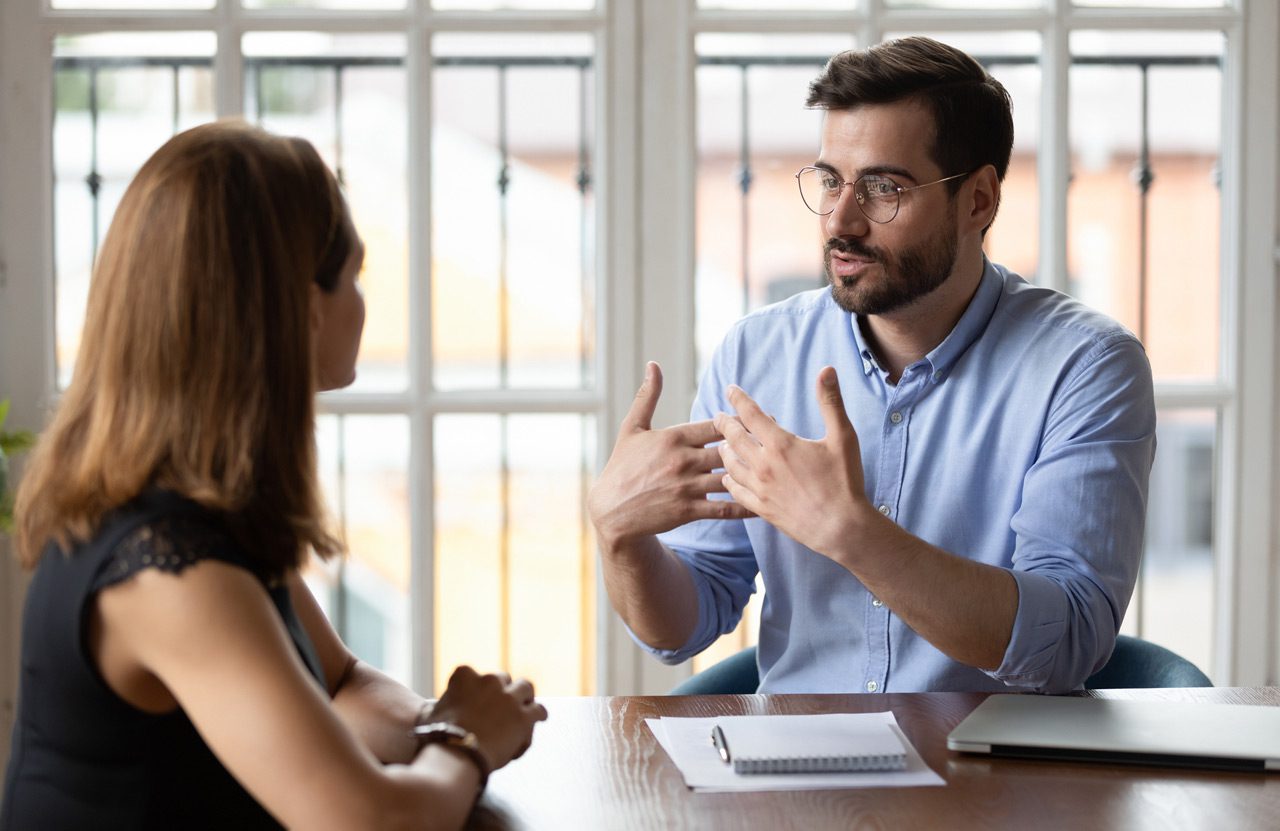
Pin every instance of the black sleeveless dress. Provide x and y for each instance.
(81, 756)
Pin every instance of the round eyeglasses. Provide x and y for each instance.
(878, 197)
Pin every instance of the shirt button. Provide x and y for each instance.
(896, 417)
(937, 377)
(877, 602)
(872, 686)
(884, 509)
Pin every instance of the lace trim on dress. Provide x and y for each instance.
(170, 544)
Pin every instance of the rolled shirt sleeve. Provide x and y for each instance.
(1079, 529)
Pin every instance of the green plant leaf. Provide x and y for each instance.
(6, 501)
(4, 410)
(17, 442)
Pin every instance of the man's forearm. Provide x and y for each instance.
(651, 589)
(964, 608)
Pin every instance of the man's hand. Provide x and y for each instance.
(656, 480)
(810, 490)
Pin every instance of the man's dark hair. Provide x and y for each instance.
(972, 112)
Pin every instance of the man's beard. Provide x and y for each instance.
(911, 275)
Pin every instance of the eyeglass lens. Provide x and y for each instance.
(876, 196)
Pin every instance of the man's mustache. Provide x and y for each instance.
(852, 247)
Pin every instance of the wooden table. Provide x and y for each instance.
(595, 765)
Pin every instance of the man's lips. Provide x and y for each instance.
(849, 266)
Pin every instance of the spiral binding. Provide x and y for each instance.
(822, 764)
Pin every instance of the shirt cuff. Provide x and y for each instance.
(1037, 634)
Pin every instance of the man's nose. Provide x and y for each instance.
(847, 219)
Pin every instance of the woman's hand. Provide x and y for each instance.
(500, 712)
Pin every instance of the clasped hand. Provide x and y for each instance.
(811, 490)
(499, 711)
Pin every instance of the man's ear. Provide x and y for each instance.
(981, 197)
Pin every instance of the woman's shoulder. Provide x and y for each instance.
(165, 531)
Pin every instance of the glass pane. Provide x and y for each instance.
(758, 245)
(1174, 603)
(133, 5)
(346, 94)
(341, 5)
(777, 5)
(514, 5)
(363, 462)
(1150, 260)
(117, 98)
(513, 235)
(1155, 4)
(962, 5)
(514, 555)
(1013, 59)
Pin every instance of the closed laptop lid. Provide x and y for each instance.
(1188, 734)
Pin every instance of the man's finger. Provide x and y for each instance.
(640, 416)
(742, 495)
(719, 509)
(706, 483)
(761, 425)
(738, 441)
(706, 458)
(733, 464)
(696, 433)
(831, 403)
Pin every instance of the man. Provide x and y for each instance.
(969, 512)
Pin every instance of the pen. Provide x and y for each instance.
(722, 746)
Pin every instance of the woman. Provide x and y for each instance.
(176, 671)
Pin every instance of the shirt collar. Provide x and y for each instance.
(967, 330)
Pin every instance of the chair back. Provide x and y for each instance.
(736, 675)
(1139, 664)
(1134, 664)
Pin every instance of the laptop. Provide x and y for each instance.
(1149, 732)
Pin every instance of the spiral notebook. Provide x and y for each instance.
(809, 744)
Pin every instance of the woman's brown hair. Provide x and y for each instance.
(195, 368)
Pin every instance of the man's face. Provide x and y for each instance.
(873, 268)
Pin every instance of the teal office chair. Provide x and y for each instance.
(1134, 663)
(1139, 664)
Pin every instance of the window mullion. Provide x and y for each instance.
(1247, 644)
(1054, 161)
(228, 61)
(420, 76)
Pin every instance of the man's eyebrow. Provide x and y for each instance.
(875, 170)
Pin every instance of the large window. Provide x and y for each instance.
(1136, 231)
(554, 191)
(457, 464)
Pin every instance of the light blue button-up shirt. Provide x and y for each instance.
(1024, 441)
